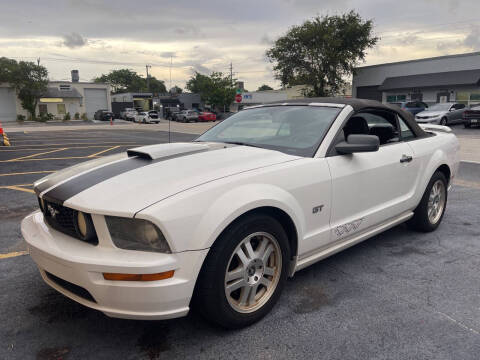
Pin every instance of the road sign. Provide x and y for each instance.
(238, 98)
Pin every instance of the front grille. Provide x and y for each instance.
(74, 289)
(62, 219)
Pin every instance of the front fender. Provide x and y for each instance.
(193, 221)
(242, 199)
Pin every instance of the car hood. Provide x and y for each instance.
(431, 113)
(126, 183)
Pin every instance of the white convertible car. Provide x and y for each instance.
(221, 222)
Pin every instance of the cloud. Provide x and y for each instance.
(201, 69)
(74, 40)
(167, 54)
(473, 39)
(266, 40)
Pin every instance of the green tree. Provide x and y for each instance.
(126, 80)
(29, 80)
(217, 89)
(322, 52)
(264, 87)
(176, 90)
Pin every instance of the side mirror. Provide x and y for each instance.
(452, 109)
(358, 143)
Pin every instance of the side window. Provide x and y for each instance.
(379, 123)
(405, 132)
(411, 105)
(459, 106)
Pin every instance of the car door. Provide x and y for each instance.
(456, 112)
(372, 188)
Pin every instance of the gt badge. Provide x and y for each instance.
(317, 209)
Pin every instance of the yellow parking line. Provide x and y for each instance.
(42, 159)
(18, 188)
(13, 254)
(70, 148)
(103, 151)
(33, 155)
(28, 173)
(93, 143)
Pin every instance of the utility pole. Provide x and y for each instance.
(38, 61)
(148, 77)
(231, 74)
(171, 61)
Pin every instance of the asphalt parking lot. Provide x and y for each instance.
(399, 295)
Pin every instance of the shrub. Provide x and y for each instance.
(84, 117)
(76, 116)
(45, 117)
(66, 116)
(21, 117)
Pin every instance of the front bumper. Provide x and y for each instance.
(76, 265)
(428, 121)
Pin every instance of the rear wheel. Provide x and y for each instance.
(429, 213)
(244, 273)
(467, 126)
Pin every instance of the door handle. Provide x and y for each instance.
(405, 158)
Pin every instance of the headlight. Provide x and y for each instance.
(136, 234)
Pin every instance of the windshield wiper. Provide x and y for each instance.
(240, 143)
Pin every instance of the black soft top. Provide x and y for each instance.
(359, 105)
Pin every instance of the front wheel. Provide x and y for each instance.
(467, 126)
(444, 121)
(429, 213)
(244, 273)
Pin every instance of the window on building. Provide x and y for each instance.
(61, 110)
(64, 87)
(42, 108)
(396, 98)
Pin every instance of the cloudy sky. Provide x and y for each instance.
(96, 36)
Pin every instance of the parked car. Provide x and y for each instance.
(471, 117)
(147, 117)
(413, 107)
(223, 221)
(103, 115)
(187, 116)
(128, 114)
(443, 114)
(171, 113)
(206, 116)
(153, 114)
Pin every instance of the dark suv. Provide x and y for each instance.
(103, 115)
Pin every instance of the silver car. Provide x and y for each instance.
(187, 116)
(443, 114)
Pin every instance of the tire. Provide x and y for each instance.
(467, 126)
(211, 296)
(421, 220)
(444, 121)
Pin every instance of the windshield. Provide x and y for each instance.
(296, 130)
(440, 107)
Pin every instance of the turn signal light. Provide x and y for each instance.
(139, 277)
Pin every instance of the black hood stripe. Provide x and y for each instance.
(70, 188)
(69, 172)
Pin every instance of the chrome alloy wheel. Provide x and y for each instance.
(253, 272)
(436, 202)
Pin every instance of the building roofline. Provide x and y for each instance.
(76, 82)
(419, 60)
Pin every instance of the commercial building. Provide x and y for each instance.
(431, 80)
(251, 98)
(149, 101)
(61, 97)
